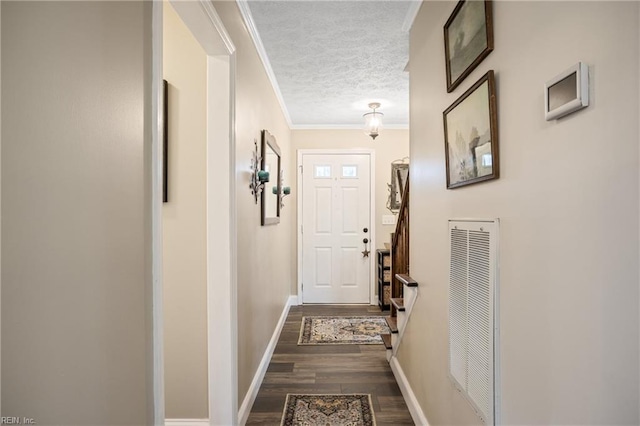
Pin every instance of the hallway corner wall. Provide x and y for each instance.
(75, 229)
(265, 257)
(568, 202)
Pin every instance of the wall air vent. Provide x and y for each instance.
(473, 313)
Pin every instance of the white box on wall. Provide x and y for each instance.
(567, 92)
(389, 219)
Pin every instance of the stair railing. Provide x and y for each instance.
(400, 247)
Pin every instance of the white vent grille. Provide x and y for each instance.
(458, 341)
(472, 304)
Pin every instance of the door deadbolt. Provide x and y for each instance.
(365, 230)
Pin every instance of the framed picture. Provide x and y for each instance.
(471, 135)
(468, 39)
(567, 92)
(165, 142)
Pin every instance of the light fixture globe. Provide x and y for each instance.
(373, 121)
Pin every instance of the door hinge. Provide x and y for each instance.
(301, 229)
(301, 170)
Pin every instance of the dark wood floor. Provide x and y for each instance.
(331, 369)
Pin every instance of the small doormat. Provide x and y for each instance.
(325, 410)
(342, 330)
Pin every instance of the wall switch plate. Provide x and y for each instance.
(388, 219)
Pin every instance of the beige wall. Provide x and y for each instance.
(75, 241)
(264, 253)
(568, 203)
(0, 215)
(391, 145)
(184, 224)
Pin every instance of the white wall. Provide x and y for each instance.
(76, 235)
(184, 224)
(568, 203)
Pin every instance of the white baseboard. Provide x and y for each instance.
(250, 397)
(186, 422)
(409, 397)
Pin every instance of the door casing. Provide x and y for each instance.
(372, 176)
(206, 26)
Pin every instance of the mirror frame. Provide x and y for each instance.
(269, 140)
(397, 186)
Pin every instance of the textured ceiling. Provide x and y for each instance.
(331, 58)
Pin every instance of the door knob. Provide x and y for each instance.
(365, 230)
(366, 240)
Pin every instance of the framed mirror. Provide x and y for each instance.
(399, 175)
(270, 211)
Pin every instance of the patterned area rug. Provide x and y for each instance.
(342, 330)
(328, 410)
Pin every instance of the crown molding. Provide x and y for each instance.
(346, 127)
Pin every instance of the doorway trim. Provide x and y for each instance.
(157, 135)
(372, 208)
(203, 21)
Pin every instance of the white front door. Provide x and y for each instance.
(336, 217)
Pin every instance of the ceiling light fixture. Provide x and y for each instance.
(373, 121)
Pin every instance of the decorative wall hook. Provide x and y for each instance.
(258, 177)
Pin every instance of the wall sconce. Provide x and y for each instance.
(286, 190)
(373, 121)
(258, 177)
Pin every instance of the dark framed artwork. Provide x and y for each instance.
(468, 39)
(471, 135)
(165, 141)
